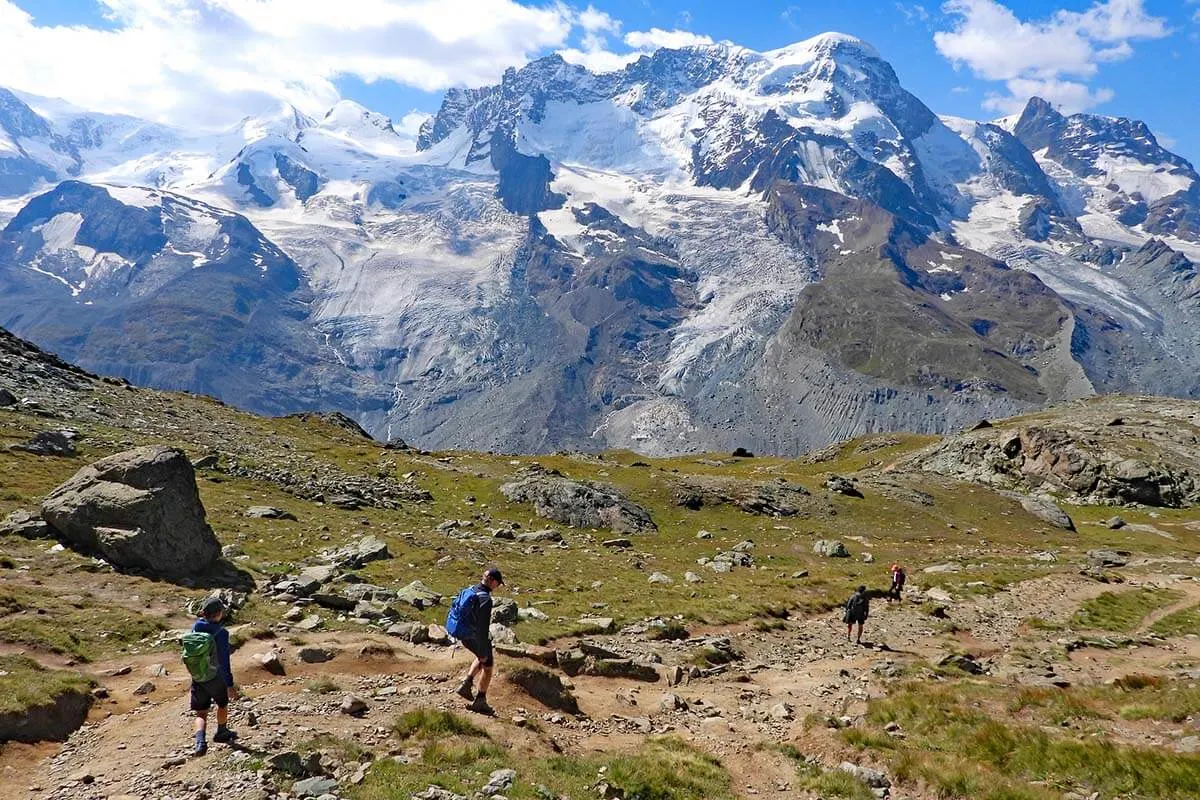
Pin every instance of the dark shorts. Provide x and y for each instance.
(206, 695)
(481, 649)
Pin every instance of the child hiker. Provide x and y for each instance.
(206, 655)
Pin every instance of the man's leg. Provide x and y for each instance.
(464, 688)
(485, 679)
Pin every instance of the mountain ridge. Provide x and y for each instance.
(571, 259)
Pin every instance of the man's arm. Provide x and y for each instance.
(484, 615)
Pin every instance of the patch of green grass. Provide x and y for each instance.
(673, 631)
(79, 625)
(1179, 623)
(24, 684)
(664, 768)
(1120, 612)
(959, 744)
(323, 685)
(836, 783)
(346, 748)
(432, 724)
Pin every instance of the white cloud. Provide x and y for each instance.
(1051, 57)
(596, 55)
(207, 62)
(657, 37)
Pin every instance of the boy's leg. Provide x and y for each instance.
(858, 639)
(201, 722)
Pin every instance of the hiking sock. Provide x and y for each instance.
(201, 744)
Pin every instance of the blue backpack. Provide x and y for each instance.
(460, 621)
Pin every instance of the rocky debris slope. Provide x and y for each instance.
(1109, 451)
(579, 504)
(139, 509)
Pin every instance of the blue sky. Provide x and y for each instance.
(971, 58)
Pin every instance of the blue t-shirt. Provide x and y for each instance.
(221, 637)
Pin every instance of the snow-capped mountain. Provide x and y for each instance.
(708, 248)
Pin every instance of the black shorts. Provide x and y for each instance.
(481, 648)
(206, 695)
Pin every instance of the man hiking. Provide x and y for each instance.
(206, 655)
(898, 578)
(858, 608)
(469, 621)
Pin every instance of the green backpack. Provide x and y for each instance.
(200, 656)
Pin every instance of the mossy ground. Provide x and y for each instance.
(24, 684)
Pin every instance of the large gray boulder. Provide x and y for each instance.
(139, 509)
(578, 504)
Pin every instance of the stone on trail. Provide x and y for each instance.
(309, 623)
(144, 688)
(502, 634)
(830, 548)
(287, 762)
(139, 509)
(270, 661)
(436, 634)
(314, 787)
(353, 705)
(315, 655)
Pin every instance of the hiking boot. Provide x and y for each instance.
(480, 706)
(201, 747)
(224, 736)
(464, 691)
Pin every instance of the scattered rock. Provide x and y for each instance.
(741, 452)
(49, 443)
(505, 610)
(353, 705)
(781, 712)
(288, 762)
(418, 595)
(139, 509)
(871, 777)
(659, 577)
(1047, 511)
(544, 535)
(1115, 523)
(962, 661)
(578, 504)
(830, 548)
(692, 577)
(314, 787)
(1108, 558)
(839, 485)
(358, 553)
(499, 782)
(600, 624)
(270, 661)
(309, 623)
(315, 655)
(531, 613)
(618, 543)
(145, 687)
(26, 525)
(269, 512)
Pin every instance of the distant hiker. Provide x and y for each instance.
(898, 578)
(469, 621)
(206, 655)
(858, 608)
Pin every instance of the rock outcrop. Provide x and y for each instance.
(139, 509)
(1147, 452)
(578, 504)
